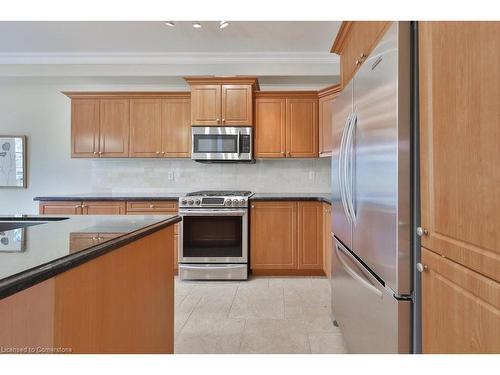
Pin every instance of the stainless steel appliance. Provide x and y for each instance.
(371, 274)
(224, 143)
(214, 235)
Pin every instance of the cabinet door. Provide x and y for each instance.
(145, 128)
(176, 127)
(270, 128)
(362, 38)
(60, 208)
(103, 208)
(206, 105)
(325, 125)
(115, 128)
(327, 240)
(310, 235)
(459, 142)
(302, 128)
(237, 105)
(460, 308)
(273, 235)
(84, 128)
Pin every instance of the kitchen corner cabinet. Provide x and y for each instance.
(286, 125)
(99, 128)
(354, 42)
(460, 308)
(325, 110)
(285, 238)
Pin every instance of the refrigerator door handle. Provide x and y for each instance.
(342, 167)
(349, 167)
(355, 275)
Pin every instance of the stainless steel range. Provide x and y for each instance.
(214, 235)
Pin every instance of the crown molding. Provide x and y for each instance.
(161, 58)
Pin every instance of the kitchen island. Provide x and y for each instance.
(87, 284)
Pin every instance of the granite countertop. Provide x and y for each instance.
(51, 245)
(322, 197)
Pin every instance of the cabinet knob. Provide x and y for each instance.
(421, 267)
(421, 232)
(78, 206)
(151, 206)
(100, 152)
(157, 152)
(283, 153)
(163, 152)
(253, 206)
(218, 120)
(362, 55)
(95, 152)
(223, 120)
(357, 62)
(83, 206)
(289, 154)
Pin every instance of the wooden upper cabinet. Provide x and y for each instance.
(459, 142)
(460, 308)
(206, 105)
(310, 235)
(302, 128)
(270, 128)
(354, 42)
(273, 235)
(85, 128)
(114, 128)
(176, 127)
(145, 128)
(325, 106)
(60, 208)
(237, 105)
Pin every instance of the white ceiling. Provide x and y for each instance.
(156, 37)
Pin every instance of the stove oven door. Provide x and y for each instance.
(214, 236)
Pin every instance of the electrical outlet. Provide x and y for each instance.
(171, 176)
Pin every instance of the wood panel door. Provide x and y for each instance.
(460, 308)
(325, 124)
(60, 208)
(459, 142)
(310, 235)
(302, 128)
(327, 240)
(84, 128)
(273, 235)
(176, 128)
(270, 128)
(206, 105)
(237, 105)
(114, 128)
(145, 128)
(103, 208)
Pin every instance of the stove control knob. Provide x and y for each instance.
(242, 202)
(190, 202)
(235, 202)
(227, 202)
(184, 202)
(197, 202)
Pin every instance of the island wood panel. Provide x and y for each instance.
(176, 127)
(27, 319)
(237, 105)
(145, 128)
(114, 128)
(459, 142)
(121, 302)
(85, 128)
(103, 208)
(206, 105)
(60, 208)
(273, 235)
(302, 128)
(310, 235)
(327, 240)
(270, 128)
(460, 308)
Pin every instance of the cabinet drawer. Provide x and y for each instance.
(152, 206)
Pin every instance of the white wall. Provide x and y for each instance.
(36, 108)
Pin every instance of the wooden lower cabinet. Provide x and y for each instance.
(103, 208)
(460, 308)
(285, 238)
(60, 208)
(82, 208)
(327, 240)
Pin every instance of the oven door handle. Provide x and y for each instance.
(212, 212)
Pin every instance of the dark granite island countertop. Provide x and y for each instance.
(321, 197)
(51, 245)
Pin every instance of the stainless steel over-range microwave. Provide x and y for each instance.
(221, 143)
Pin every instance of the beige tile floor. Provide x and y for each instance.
(261, 315)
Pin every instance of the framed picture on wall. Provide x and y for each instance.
(13, 161)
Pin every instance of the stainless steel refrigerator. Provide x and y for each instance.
(371, 274)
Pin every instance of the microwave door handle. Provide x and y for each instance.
(238, 143)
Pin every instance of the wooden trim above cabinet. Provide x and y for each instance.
(286, 94)
(329, 90)
(127, 94)
(339, 42)
(212, 80)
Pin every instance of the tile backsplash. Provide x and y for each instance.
(160, 175)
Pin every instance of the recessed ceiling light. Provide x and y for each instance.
(170, 23)
(223, 24)
(197, 25)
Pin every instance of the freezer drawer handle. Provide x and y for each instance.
(353, 273)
